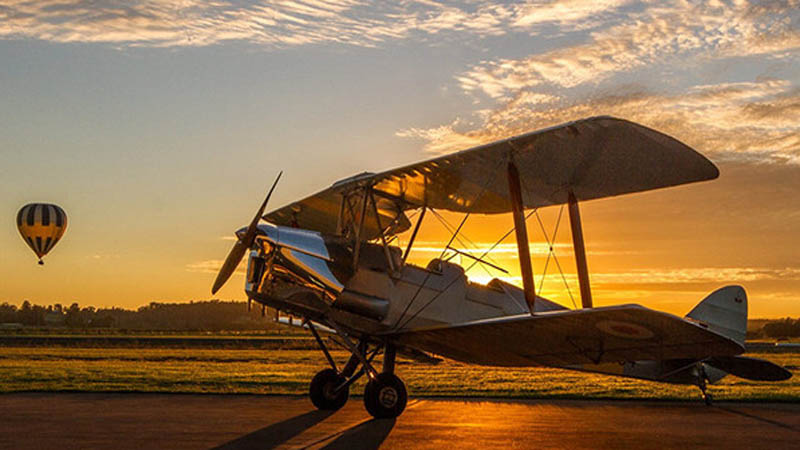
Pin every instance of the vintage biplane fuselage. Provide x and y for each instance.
(306, 274)
(328, 260)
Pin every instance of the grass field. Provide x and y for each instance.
(285, 371)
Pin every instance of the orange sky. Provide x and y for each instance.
(158, 128)
(664, 249)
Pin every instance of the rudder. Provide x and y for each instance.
(724, 311)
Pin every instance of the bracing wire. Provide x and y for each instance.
(449, 228)
(550, 242)
(449, 243)
(466, 270)
(428, 274)
(552, 252)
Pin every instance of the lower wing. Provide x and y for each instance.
(560, 338)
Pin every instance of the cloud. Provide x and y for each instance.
(753, 121)
(656, 276)
(509, 250)
(283, 23)
(573, 13)
(700, 275)
(213, 266)
(667, 32)
(756, 120)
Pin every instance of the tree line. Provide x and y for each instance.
(781, 328)
(213, 315)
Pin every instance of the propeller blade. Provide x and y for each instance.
(240, 247)
(231, 262)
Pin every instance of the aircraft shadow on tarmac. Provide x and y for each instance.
(367, 434)
(760, 419)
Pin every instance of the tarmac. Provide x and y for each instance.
(177, 421)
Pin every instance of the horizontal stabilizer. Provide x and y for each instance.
(750, 368)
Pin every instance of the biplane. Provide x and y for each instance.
(330, 261)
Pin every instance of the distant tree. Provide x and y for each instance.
(104, 321)
(30, 315)
(37, 315)
(784, 328)
(73, 316)
(8, 313)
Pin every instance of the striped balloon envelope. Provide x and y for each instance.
(41, 226)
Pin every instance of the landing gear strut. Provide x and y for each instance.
(707, 398)
(385, 395)
(701, 383)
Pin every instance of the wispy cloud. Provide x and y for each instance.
(666, 31)
(509, 250)
(758, 120)
(213, 266)
(280, 23)
(700, 275)
(573, 13)
(693, 276)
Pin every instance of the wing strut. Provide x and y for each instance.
(414, 234)
(360, 229)
(381, 230)
(580, 251)
(517, 210)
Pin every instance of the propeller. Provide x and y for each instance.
(240, 247)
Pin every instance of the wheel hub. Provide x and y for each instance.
(388, 397)
(329, 391)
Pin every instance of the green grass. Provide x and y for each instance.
(289, 371)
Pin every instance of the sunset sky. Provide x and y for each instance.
(158, 126)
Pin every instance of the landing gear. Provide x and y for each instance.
(324, 393)
(707, 398)
(701, 383)
(385, 395)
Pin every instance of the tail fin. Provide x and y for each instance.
(724, 311)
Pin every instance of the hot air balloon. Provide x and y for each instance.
(41, 226)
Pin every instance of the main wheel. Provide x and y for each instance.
(322, 390)
(385, 396)
(708, 399)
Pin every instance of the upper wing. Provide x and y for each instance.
(592, 158)
(561, 338)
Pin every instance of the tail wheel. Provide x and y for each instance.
(385, 396)
(323, 390)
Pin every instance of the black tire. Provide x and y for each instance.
(385, 396)
(322, 387)
(708, 399)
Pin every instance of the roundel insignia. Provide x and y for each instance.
(625, 330)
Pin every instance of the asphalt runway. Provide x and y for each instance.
(168, 421)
